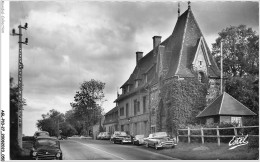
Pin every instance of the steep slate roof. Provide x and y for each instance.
(226, 105)
(180, 48)
(183, 45)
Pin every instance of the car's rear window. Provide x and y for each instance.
(47, 142)
(123, 134)
(160, 134)
(139, 136)
(42, 134)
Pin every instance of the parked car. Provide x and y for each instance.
(121, 137)
(62, 137)
(138, 139)
(160, 140)
(99, 135)
(46, 148)
(74, 136)
(85, 137)
(40, 133)
(105, 136)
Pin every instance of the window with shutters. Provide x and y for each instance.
(122, 111)
(144, 104)
(126, 110)
(135, 107)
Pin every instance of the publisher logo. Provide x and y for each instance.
(238, 141)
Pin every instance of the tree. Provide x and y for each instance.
(244, 90)
(86, 105)
(240, 51)
(67, 129)
(50, 122)
(15, 150)
(240, 64)
(71, 118)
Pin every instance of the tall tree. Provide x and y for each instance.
(240, 51)
(240, 63)
(75, 122)
(50, 122)
(86, 105)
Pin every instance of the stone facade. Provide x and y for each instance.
(134, 114)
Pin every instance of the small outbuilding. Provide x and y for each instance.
(225, 109)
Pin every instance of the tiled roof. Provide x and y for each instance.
(108, 119)
(141, 68)
(226, 105)
(112, 111)
(180, 48)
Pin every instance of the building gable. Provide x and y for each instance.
(201, 60)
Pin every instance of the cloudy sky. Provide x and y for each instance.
(71, 42)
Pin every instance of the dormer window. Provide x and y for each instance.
(145, 78)
(128, 88)
(124, 90)
(201, 59)
(136, 83)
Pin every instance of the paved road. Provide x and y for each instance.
(82, 149)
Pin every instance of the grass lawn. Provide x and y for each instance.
(185, 151)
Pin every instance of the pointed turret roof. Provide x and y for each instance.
(226, 105)
(183, 44)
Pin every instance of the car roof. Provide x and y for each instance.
(46, 137)
(139, 135)
(119, 131)
(40, 132)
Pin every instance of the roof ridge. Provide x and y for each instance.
(186, 22)
(221, 103)
(206, 45)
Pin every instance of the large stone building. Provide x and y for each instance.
(183, 55)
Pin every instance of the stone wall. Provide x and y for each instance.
(154, 102)
(213, 90)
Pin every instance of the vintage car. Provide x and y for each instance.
(120, 137)
(160, 140)
(46, 148)
(62, 137)
(105, 136)
(138, 139)
(99, 135)
(40, 133)
(74, 137)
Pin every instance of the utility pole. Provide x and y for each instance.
(20, 82)
(221, 68)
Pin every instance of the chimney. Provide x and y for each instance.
(156, 41)
(178, 9)
(139, 55)
(161, 62)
